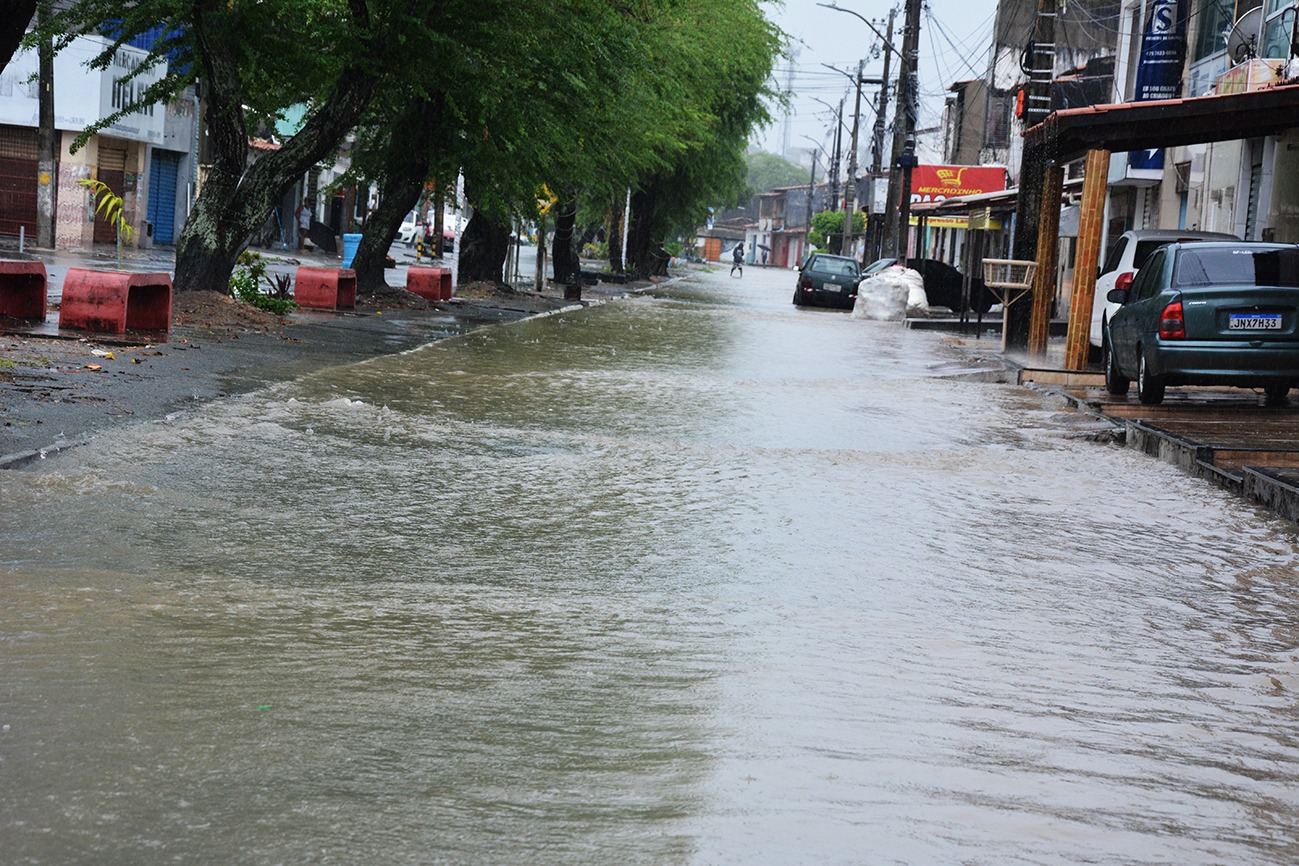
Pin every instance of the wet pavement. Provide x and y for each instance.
(695, 577)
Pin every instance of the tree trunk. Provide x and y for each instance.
(640, 260)
(371, 259)
(568, 265)
(235, 199)
(407, 163)
(483, 246)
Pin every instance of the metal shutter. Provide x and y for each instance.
(163, 174)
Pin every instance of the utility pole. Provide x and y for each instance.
(876, 219)
(811, 190)
(904, 135)
(1032, 168)
(46, 145)
(838, 151)
(850, 183)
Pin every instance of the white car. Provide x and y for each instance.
(411, 225)
(1125, 258)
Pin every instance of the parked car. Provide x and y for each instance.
(412, 224)
(944, 287)
(828, 281)
(876, 266)
(1125, 258)
(1206, 313)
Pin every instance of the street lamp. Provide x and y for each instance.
(885, 39)
(850, 186)
(838, 139)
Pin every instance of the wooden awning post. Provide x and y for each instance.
(1048, 242)
(1090, 220)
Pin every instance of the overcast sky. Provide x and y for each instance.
(955, 36)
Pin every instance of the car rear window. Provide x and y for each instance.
(1143, 251)
(1145, 248)
(1273, 267)
(835, 267)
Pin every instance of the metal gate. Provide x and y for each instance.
(164, 171)
(18, 165)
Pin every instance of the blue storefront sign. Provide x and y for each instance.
(1159, 68)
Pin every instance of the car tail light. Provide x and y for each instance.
(1172, 326)
(1123, 282)
(806, 284)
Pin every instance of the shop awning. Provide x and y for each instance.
(1069, 134)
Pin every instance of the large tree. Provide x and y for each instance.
(253, 60)
(633, 97)
(724, 64)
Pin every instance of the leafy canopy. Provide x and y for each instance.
(830, 222)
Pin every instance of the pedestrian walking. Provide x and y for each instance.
(737, 259)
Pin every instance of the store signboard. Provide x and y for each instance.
(1159, 67)
(83, 96)
(938, 182)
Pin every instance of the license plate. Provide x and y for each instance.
(835, 287)
(1254, 322)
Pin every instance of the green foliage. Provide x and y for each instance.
(276, 47)
(721, 54)
(588, 96)
(830, 222)
(246, 286)
(108, 205)
(767, 171)
(599, 250)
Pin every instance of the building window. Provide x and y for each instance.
(999, 114)
(1277, 30)
(1215, 23)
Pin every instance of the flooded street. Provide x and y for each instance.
(691, 578)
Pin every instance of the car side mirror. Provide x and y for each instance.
(1117, 296)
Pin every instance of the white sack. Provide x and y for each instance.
(891, 296)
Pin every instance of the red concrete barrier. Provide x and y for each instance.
(115, 302)
(22, 289)
(431, 283)
(325, 288)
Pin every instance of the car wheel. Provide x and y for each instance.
(1115, 382)
(798, 300)
(1150, 389)
(1275, 393)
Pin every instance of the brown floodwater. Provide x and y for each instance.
(696, 578)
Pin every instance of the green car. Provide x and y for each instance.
(1207, 313)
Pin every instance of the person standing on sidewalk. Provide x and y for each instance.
(304, 224)
(737, 259)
